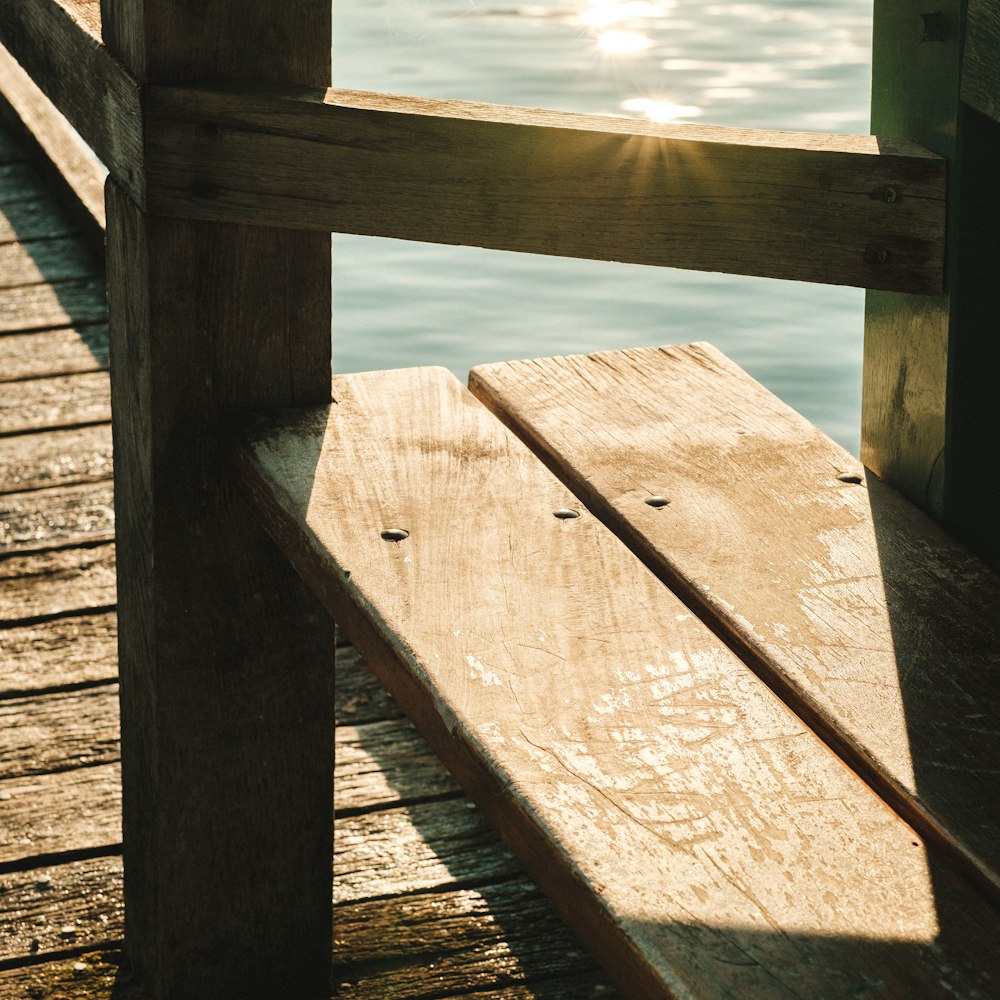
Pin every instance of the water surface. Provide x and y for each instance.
(761, 65)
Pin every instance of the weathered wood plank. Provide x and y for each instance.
(861, 610)
(460, 943)
(49, 909)
(62, 401)
(359, 697)
(53, 352)
(55, 458)
(58, 731)
(49, 260)
(437, 845)
(95, 976)
(593, 718)
(63, 515)
(76, 650)
(33, 217)
(50, 583)
(62, 303)
(382, 761)
(980, 70)
(61, 143)
(843, 210)
(18, 182)
(58, 43)
(75, 810)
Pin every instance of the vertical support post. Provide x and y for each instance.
(226, 662)
(929, 423)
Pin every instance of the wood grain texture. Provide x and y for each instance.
(503, 937)
(53, 352)
(60, 142)
(40, 733)
(853, 603)
(55, 458)
(58, 43)
(980, 71)
(226, 659)
(56, 813)
(62, 651)
(63, 401)
(595, 719)
(50, 909)
(388, 755)
(39, 261)
(43, 584)
(62, 515)
(33, 217)
(838, 209)
(62, 303)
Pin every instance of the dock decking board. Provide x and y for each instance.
(43, 354)
(55, 458)
(54, 403)
(60, 515)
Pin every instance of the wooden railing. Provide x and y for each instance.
(221, 197)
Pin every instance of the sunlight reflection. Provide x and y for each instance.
(660, 111)
(623, 42)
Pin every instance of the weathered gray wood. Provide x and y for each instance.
(95, 975)
(838, 209)
(677, 813)
(464, 942)
(18, 182)
(980, 69)
(55, 732)
(32, 218)
(61, 143)
(226, 720)
(58, 42)
(53, 352)
(35, 261)
(52, 583)
(62, 401)
(55, 458)
(50, 909)
(76, 650)
(63, 303)
(437, 845)
(75, 810)
(359, 696)
(858, 607)
(64, 515)
(389, 756)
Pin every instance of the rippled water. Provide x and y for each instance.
(770, 65)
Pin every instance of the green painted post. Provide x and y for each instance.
(930, 425)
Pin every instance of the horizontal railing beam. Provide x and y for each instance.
(852, 210)
(58, 44)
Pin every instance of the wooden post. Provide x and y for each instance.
(226, 661)
(930, 424)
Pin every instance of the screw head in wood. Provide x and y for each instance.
(565, 514)
(657, 502)
(851, 477)
(395, 534)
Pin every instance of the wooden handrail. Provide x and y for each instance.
(58, 43)
(853, 210)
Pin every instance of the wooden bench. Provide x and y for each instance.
(693, 828)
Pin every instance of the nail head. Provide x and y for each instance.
(395, 534)
(657, 502)
(565, 514)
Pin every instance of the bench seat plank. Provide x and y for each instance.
(859, 609)
(693, 830)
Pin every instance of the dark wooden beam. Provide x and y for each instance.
(855, 210)
(226, 662)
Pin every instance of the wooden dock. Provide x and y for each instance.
(428, 903)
